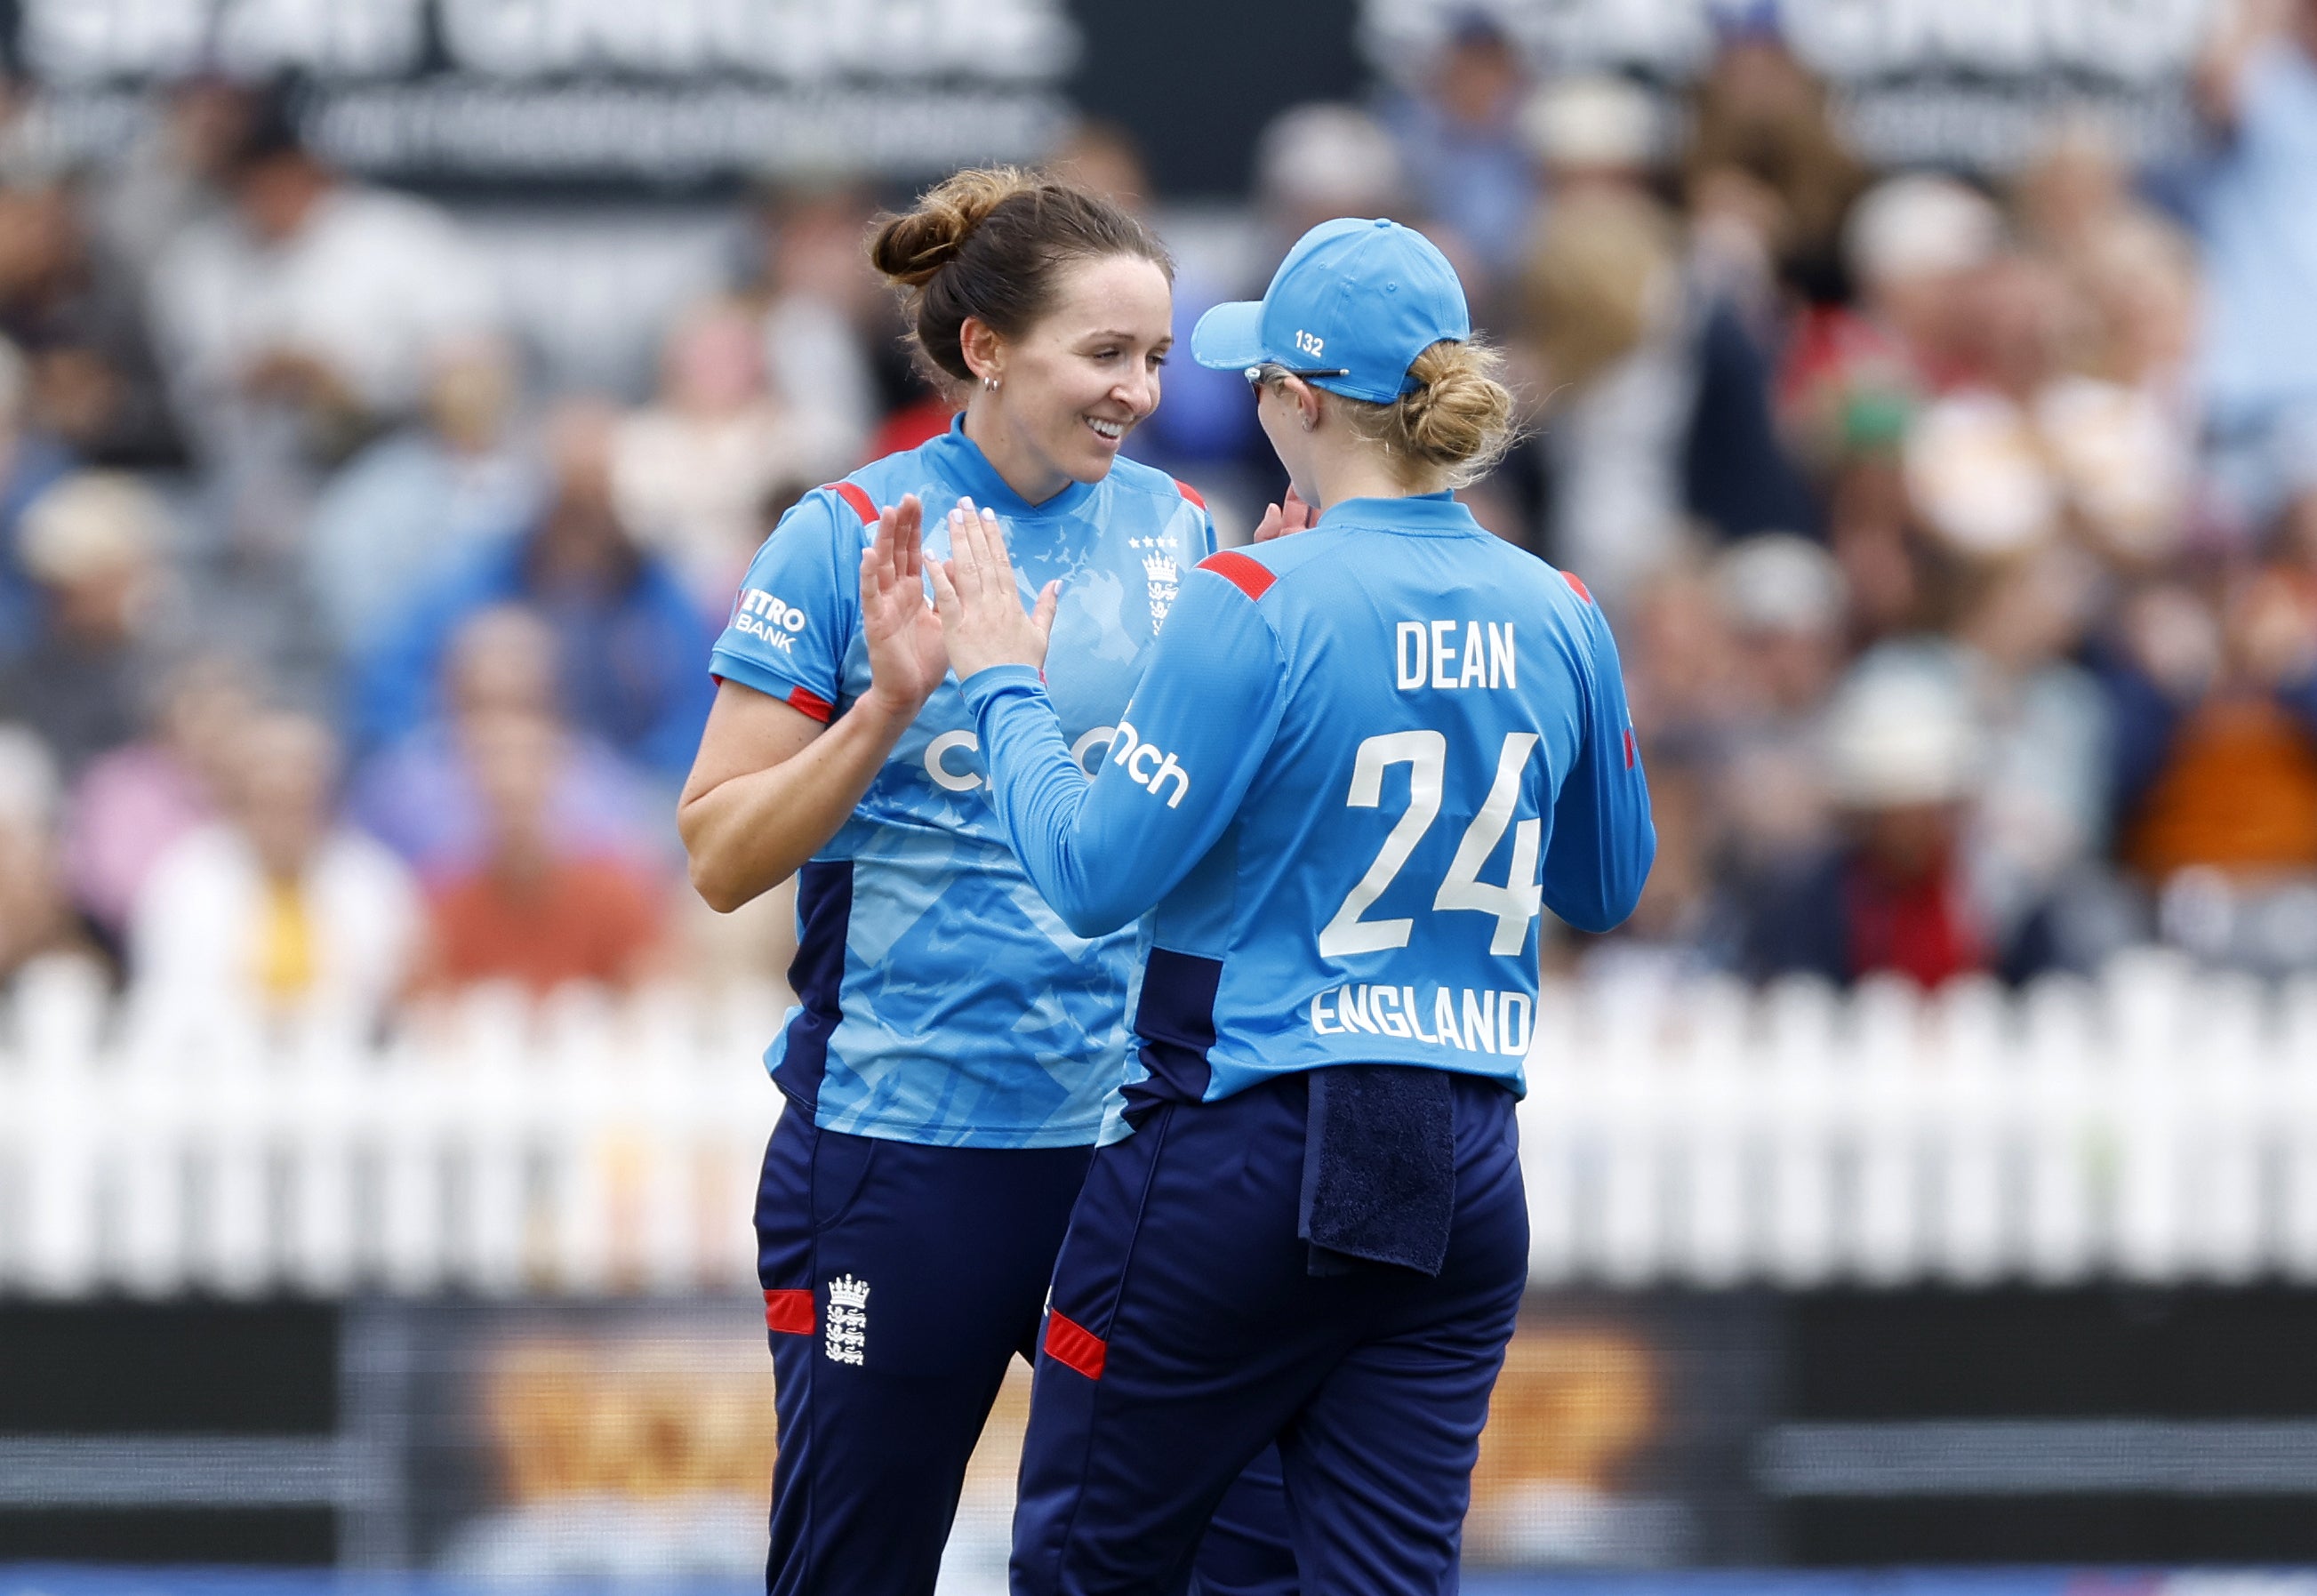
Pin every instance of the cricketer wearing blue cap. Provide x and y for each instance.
(947, 1065)
(1360, 761)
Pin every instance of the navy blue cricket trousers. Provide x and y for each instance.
(1187, 1334)
(899, 1280)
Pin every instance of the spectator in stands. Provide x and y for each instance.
(1322, 160)
(1657, 412)
(93, 544)
(632, 644)
(2257, 215)
(1681, 679)
(2216, 716)
(1783, 600)
(2032, 437)
(1913, 245)
(1767, 177)
(174, 174)
(2040, 791)
(1902, 754)
(30, 463)
(1591, 132)
(690, 472)
(424, 499)
(310, 305)
(825, 322)
(533, 910)
(2121, 421)
(79, 319)
(277, 906)
(1458, 133)
(422, 796)
(1978, 471)
(132, 804)
(35, 915)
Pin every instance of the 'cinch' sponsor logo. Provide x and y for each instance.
(1147, 767)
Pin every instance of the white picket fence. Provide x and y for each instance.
(2156, 1125)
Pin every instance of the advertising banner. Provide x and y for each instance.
(542, 93)
(1974, 83)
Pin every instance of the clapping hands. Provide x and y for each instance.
(905, 655)
(981, 608)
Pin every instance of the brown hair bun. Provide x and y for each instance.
(989, 243)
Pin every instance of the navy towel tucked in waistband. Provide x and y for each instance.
(1379, 1168)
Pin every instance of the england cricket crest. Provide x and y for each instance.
(1160, 574)
(848, 1339)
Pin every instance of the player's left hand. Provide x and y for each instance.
(981, 608)
(1290, 514)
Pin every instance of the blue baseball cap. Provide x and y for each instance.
(1357, 297)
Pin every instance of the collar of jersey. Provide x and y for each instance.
(1418, 512)
(961, 460)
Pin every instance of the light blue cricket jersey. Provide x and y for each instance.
(942, 1001)
(1361, 758)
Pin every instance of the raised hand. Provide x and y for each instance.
(981, 614)
(905, 656)
(1291, 514)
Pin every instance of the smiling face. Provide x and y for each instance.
(1077, 380)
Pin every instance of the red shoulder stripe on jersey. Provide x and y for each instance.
(1073, 1346)
(789, 1313)
(1189, 492)
(811, 704)
(1629, 748)
(1251, 576)
(1582, 592)
(854, 494)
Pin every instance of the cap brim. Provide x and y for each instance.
(1229, 337)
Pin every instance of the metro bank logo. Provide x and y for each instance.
(763, 616)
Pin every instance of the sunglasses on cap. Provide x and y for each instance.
(1271, 372)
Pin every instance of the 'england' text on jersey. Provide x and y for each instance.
(1432, 654)
(1485, 1022)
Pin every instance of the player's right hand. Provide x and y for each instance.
(906, 656)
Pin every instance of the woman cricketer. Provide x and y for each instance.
(1361, 761)
(945, 1069)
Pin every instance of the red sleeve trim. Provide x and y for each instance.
(854, 494)
(1073, 1346)
(1251, 576)
(789, 1313)
(1582, 592)
(1629, 748)
(1189, 492)
(811, 704)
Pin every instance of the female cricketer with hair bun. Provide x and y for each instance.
(1361, 761)
(946, 1070)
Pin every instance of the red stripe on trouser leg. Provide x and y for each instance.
(1073, 1346)
(788, 1311)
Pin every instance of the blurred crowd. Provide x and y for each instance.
(1959, 531)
